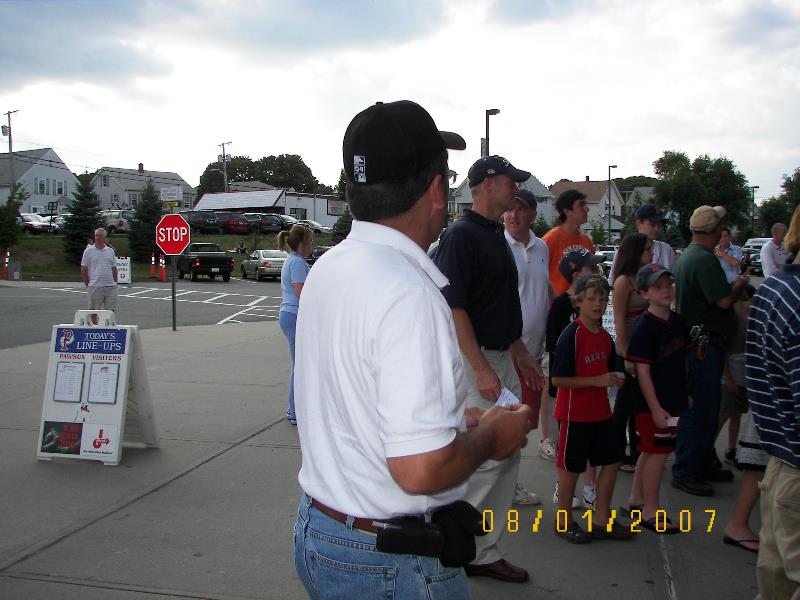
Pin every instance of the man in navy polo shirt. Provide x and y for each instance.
(474, 256)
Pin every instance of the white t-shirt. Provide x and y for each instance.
(773, 257)
(100, 264)
(378, 373)
(533, 275)
(663, 255)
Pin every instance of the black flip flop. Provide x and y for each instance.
(739, 543)
(651, 525)
(627, 510)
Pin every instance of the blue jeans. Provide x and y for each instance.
(335, 561)
(697, 427)
(288, 323)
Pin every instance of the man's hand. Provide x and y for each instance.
(660, 417)
(473, 416)
(531, 370)
(511, 425)
(488, 383)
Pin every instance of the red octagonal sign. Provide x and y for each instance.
(172, 234)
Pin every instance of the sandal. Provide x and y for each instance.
(651, 525)
(626, 511)
(626, 468)
(574, 534)
(618, 532)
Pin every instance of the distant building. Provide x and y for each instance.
(122, 188)
(42, 174)
(461, 198)
(323, 208)
(597, 193)
(249, 186)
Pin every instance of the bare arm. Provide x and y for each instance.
(501, 431)
(622, 297)
(114, 273)
(486, 379)
(298, 288)
(660, 416)
(738, 287)
(85, 275)
(604, 380)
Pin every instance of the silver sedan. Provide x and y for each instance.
(263, 263)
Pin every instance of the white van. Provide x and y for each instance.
(116, 221)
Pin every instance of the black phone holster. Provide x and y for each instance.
(448, 536)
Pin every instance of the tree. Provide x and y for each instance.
(599, 233)
(239, 168)
(286, 171)
(780, 209)
(84, 217)
(9, 230)
(142, 235)
(341, 185)
(685, 185)
(341, 229)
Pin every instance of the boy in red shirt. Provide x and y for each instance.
(585, 365)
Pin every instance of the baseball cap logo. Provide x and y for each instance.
(360, 169)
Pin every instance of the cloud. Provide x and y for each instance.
(765, 26)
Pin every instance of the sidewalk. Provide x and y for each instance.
(209, 514)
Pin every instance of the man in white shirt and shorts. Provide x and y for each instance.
(99, 273)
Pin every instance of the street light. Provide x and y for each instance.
(753, 189)
(489, 112)
(609, 201)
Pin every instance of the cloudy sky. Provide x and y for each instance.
(580, 84)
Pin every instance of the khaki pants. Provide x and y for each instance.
(778, 565)
(492, 486)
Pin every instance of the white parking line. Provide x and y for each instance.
(231, 317)
(184, 293)
(144, 291)
(257, 300)
(217, 297)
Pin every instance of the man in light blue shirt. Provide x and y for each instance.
(729, 255)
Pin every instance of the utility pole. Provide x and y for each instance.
(225, 164)
(11, 154)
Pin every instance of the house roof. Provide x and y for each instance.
(23, 161)
(532, 184)
(594, 190)
(133, 179)
(237, 200)
(248, 186)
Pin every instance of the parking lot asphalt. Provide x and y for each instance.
(209, 514)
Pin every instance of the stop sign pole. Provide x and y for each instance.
(172, 237)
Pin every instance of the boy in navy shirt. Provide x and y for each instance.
(658, 350)
(585, 365)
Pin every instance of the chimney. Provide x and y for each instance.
(141, 169)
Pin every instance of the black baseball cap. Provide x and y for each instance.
(591, 280)
(527, 198)
(393, 140)
(574, 260)
(650, 212)
(649, 274)
(489, 166)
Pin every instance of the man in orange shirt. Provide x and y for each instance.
(572, 213)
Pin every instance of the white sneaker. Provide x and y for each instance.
(547, 449)
(589, 496)
(523, 496)
(575, 502)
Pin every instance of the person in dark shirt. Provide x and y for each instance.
(657, 347)
(585, 365)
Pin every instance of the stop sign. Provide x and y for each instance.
(172, 234)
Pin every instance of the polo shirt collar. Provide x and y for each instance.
(372, 233)
(473, 217)
(511, 241)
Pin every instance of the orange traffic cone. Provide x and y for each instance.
(152, 265)
(162, 270)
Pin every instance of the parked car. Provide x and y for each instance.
(316, 252)
(117, 221)
(232, 223)
(288, 221)
(753, 248)
(316, 227)
(264, 263)
(201, 221)
(265, 222)
(33, 223)
(608, 252)
(205, 259)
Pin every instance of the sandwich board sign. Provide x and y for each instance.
(97, 394)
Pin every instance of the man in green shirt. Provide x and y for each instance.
(705, 298)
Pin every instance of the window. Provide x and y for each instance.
(105, 180)
(133, 198)
(60, 188)
(41, 187)
(298, 213)
(115, 200)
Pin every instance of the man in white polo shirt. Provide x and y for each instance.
(378, 380)
(99, 273)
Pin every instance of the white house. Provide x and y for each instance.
(42, 174)
(121, 188)
(323, 208)
(597, 193)
(461, 198)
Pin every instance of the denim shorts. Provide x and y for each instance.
(335, 561)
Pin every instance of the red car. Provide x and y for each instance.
(233, 223)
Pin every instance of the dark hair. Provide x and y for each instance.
(725, 228)
(292, 239)
(629, 255)
(566, 200)
(391, 198)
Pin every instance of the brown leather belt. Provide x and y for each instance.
(358, 522)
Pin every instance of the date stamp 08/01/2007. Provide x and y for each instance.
(706, 521)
